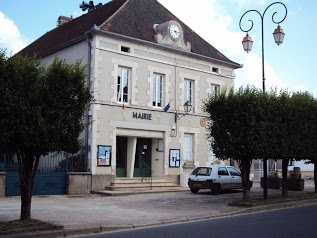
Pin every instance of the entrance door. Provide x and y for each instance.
(121, 156)
(142, 166)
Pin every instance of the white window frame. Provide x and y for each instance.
(123, 85)
(188, 147)
(214, 89)
(157, 93)
(189, 91)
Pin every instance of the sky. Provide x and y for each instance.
(288, 66)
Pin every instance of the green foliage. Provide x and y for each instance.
(41, 108)
(41, 111)
(233, 124)
(20, 111)
(295, 176)
(251, 124)
(67, 98)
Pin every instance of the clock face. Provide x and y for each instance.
(174, 31)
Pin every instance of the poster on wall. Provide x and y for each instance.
(174, 158)
(104, 155)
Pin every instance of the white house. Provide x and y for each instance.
(149, 74)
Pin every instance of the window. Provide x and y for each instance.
(123, 85)
(188, 147)
(125, 49)
(222, 171)
(233, 172)
(157, 90)
(189, 91)
(204, 171)
(195, 171)
(214, 89)
(215, 70)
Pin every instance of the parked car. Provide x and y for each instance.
(216, 178)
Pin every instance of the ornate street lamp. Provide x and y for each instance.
(187, 109)
(247, 46)
(278, 34)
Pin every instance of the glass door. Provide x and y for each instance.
(143, 158)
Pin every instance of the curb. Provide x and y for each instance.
(126, 193)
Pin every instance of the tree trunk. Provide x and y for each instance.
(315, 175)
(284, 177)
(245, 172)
(28, 165)
(265, 179)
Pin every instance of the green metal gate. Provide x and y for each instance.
(51, 178)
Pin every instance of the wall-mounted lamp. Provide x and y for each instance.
(187, 109)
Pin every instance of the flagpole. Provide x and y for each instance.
(165, 107)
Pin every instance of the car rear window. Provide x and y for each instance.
(203, 171)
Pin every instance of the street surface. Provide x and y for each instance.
(89, 214)
(287, 223)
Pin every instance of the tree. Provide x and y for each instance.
(249, 124)
(306, 108)
(285, 133)
(294, 130)
(234, 128)
(41, 111)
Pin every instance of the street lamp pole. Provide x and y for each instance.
(247, 45)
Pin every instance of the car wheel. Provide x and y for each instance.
(216, 189)
(194, 190)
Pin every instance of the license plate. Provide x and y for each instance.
(197, 185)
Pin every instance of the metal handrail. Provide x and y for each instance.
(151, 171)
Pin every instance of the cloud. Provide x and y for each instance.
(10, 36)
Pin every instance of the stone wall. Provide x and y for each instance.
(99, 182)
(78, 183)
(84, 182)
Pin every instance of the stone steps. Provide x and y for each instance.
(130, 184)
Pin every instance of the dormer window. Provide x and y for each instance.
(125, 49)
(215, 70)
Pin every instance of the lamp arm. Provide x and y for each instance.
(262, 16)
(178, 116)
(248, 29)
(276, 22)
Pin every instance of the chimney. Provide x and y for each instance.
(62, 19)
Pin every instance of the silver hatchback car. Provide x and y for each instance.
(216, 178)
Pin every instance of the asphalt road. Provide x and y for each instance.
(287, 223)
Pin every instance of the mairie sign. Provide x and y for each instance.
(144, 116)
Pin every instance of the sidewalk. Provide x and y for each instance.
(96, 213)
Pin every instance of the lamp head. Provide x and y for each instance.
(278, 35)
(247, 43)
(187, 107)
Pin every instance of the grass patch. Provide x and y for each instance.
(273, 200)
(21, 226)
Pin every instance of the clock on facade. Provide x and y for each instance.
(174, 32)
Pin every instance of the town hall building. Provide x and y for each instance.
(149, 74)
